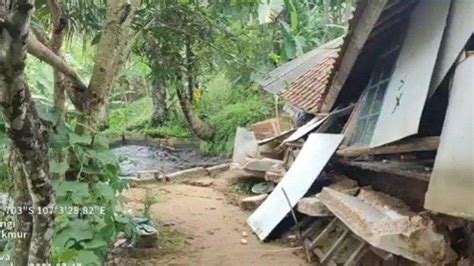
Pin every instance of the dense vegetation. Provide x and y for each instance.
(184, 69)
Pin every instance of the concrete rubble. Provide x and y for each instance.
(386, 223)
(275, 173)
(217, 169)
(259, 167)
(252, 202)
(312, 206)
(414, 147)
(245, 145)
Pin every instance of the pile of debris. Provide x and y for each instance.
(349, 223)
(381, 171)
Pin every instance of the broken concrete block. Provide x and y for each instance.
(342, 183)
(245, 145)
(386, 223)
(251, 203)
(188, 173)
(135, 181)
(266, 129)
(274, 177)
(275, 173)
(217, 169)
(312, 206)
(148, 173)
(260, 166)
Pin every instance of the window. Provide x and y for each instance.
(374, 95)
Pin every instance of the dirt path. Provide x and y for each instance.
(213, 228)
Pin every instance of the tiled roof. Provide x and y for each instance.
(277, 80)
(308, 91)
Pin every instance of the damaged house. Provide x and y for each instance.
(384, 173)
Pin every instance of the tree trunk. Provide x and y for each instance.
(23, 221)
(29, 136)
(326, 5)
(59, 23)
(111, 55)
(160, 108)
(196, 125)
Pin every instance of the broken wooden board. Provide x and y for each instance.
(387, 224)
(414, 170)
(245, 145)
(451, 185)
(305, 129)
(363, 23)
(311, 160)
(407, 91)
(408, 145)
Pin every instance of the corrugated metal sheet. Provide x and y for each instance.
(284, 75)
(308, 91)
(451, 188)
(311, 160)
(406, 93)
(458, 30)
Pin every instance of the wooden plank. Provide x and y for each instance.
(355, 44)
(405, 169)
(357, 254)
(410, 145)
(323, 235)
(336, 244)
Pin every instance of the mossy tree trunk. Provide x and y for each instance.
(113, 50)
(184, 91)
(160, 107)
(59, 24)
(28, 135)
(23, 221)
(198, 127)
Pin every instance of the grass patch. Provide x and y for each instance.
(171, 240)
(132, 118)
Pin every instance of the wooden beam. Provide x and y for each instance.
(405, 169)
(410, 145)
(355, 44)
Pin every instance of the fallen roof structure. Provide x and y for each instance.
(303, 81)
(403, 84)
(279, 78)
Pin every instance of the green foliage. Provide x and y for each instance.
(227, 107)
(149, 200)
(170, 129)
(86, 180)
(136, 118)
(133, 117)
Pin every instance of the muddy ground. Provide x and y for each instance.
(200, 226)
(166, 160)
